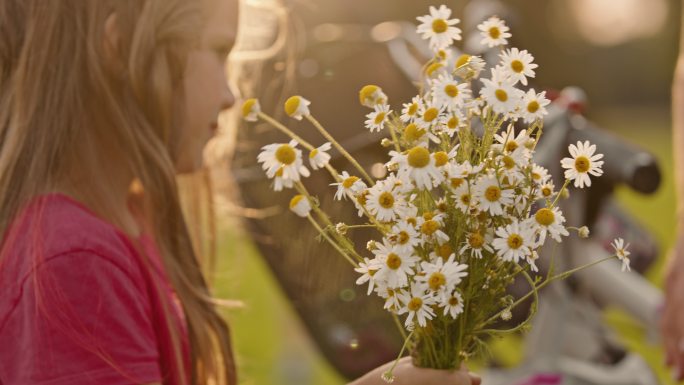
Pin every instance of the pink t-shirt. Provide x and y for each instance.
(85, 311)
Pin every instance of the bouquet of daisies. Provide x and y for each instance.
(463, 209)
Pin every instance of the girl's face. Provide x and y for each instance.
(206, 90)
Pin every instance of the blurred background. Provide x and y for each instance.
(620, 52)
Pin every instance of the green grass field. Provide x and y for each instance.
(269, 341)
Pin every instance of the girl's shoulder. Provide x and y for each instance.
(55, 225)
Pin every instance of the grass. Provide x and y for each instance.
(269, 340)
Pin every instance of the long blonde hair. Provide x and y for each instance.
(60, 98)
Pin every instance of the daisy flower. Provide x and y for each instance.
(395, 265)
(502, 96)
(621, 252)
(319, 157)
(539, 174)
(518, 65)
(448, 93)
(546, 190)
(511, 143)
(409, 112)
(583, 232)
(439, 28)
(582, 164)
(494, 32)
(442, 277)
(279, 182)
(391, 297)
(491, 196)
(514, 242)
(418, 304)
(464, 200)
(376, 119)
(453, 304)
(284, 159)
(431, 228)
(548, 220)
(417, 166)
(250, 110)
(405, 236)
(300, 205)
(476, 243)
(532, 261)
(533, 106)
(453, 122)
(367, 269)
(297, 107)
(349, 186)
(469, 67)
(372, 95)
(413, 134)
(428, 116)
(384, 202)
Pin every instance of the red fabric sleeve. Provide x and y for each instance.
(81, 318)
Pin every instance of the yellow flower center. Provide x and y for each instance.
(393, 261)
(292, 104)
(380, 117)
(413, 108)
(362, 199)
(476, 241)
(313, 153)
(465, 199)
(493, 193)
(508, 162)
(285, 154)
(367, 94)
(440, 26)
(443, 207)
(441, 158)
(453, 301)
(546, 191)
(386, 200)
(517, 66)
(511, 146)
(248, 106)
(432, 68)
(279, 173)
(436, 281)
(403, 237)
(428, 215)
(430, 114)
(515, 241)
(429, 227)
(415, 304)
(545, 217)
(295, 200)
(451, 90)
(418, 157)
(494, 32)
(412, 221)
(413, 133)
(444, 251)
(456, 182)
(349, 182)
(533, 107)
(452, 123)
(462, 60)
(582, 164)
(501, 95)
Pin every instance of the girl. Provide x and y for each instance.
(102, 103)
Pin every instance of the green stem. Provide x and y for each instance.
(562, 275)
(332, 242)
(341, 149)
(388, 374)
